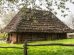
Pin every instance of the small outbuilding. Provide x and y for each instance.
(31, 24)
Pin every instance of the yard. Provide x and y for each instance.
(40, 50)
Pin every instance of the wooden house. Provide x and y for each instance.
(31, 24)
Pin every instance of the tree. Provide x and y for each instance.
(13, 5)
(8, 17)
(60, 4)
(72, 20)
(49, 4)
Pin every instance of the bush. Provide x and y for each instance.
(3, 35)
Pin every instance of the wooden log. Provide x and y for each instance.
(11, 47)
(51, 44)
(25, 48)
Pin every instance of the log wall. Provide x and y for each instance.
(21, 37)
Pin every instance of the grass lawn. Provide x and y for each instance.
(40, 50)
(11, 51)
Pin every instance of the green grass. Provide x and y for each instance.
(64, 41)
(11, 45)
(41, 50)
(51, 50)
(11, 51)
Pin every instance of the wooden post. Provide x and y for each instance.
(25, 48)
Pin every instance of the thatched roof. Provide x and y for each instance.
(31, 20)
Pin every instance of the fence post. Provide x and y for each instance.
(25, 48)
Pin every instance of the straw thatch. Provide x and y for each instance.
(31, 20)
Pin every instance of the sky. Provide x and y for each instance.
(1, 21)
(71, 6)
(67, 20)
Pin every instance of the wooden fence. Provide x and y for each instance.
(12, 47)
(50, 44)
(25, 47)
